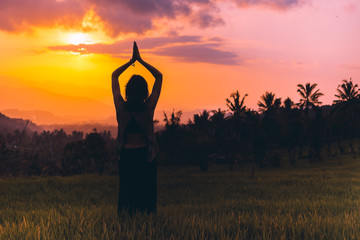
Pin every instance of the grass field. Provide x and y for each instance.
(311, 202)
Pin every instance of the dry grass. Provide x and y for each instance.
(308, 203)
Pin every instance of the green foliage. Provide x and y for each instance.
(303, 203)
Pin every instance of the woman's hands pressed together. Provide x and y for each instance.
(155, 93)
(136, 54)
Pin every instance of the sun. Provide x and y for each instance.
(78, 38)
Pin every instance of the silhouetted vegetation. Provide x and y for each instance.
(57, 153)
(277, 133)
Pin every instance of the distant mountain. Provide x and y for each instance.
(36, 116)
(109, 120)
(42, 117)
(9, 125)
(48, 121)
(77, 109)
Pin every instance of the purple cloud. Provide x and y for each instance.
(206, 53)
(182, 48)
(206, 19)
(138, 15)
(277, 4)
(116, 16)
(119, 16)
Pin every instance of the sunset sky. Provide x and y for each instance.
(58, 55)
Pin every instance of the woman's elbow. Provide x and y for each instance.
(113, 76)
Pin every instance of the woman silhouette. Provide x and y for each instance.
(136, 140)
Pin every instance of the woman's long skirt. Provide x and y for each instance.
(138, 181)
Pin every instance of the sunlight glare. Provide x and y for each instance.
(78, 38)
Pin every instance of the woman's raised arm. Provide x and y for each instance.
(155, 93)
(118, 99)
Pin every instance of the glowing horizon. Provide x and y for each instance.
(58, 56)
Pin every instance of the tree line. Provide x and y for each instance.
(278, 131)
(304, 130)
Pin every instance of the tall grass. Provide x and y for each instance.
(308, 203)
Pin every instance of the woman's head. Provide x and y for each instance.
(136, 91)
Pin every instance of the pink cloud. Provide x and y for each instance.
(206, 53)
(350, 8)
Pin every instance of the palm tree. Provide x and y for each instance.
(309, 97)
(217, 117)
(347, 92)
(348, 106)
(234, 103)
(201, 122)
(288, 104)
(217, 120)
(174, 118)
(269, 103)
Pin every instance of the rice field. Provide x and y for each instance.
(311, 202)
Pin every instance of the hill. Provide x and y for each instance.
(37, 116)
(8, 125)
(63, 108)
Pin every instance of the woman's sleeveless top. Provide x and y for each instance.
(144, 120)
(133, 127)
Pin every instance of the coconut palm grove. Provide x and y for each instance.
(281, 131)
